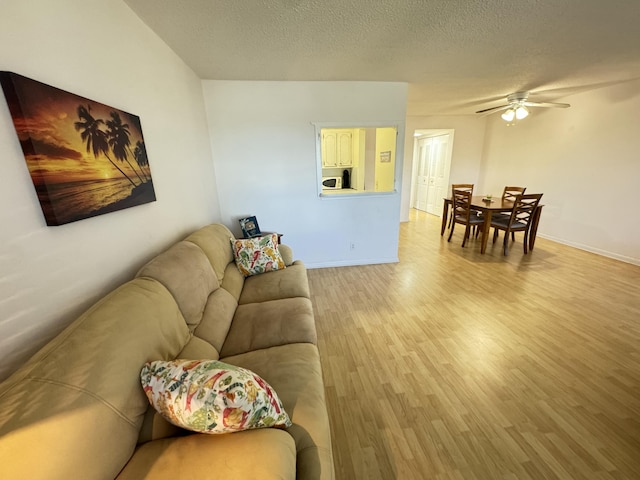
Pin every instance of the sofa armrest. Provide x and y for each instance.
(287, 254)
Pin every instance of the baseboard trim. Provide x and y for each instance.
(597, 251)
(352, 263)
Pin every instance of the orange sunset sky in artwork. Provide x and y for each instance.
(53, 148)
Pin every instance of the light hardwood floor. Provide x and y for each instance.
(456, 365)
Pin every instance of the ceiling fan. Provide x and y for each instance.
(516, 107)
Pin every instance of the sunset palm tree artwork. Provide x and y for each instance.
(98, 141)
(78, 151)
(119, 139)
(140, 155)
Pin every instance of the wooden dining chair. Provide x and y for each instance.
(463, 214)
(524, 208)
(467, 187)
(509, 194)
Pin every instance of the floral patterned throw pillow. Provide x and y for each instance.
(209, 396)
(257, 255)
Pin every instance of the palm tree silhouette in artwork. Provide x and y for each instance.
(118, 138)
(140, 155)
(93, 136)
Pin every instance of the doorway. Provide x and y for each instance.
(432, 151)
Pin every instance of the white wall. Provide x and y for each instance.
(586, 162)
(466, 157)
(264, 149)
(102, 51)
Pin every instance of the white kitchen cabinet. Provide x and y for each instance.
(337, 147)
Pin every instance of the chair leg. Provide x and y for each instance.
(453, 226)
(513, 236)
(495, 235)
(506, 242)
(466, 234)
(526, 241)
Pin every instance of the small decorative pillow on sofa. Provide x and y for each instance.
(257, 255)
(209, 396)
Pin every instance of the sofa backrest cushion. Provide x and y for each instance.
(214, 240)
(287, 254)
(233, 280)
(198, 349)
(187, 273)
(74, 410)
(216, 321)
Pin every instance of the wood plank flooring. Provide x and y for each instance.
(456, 365)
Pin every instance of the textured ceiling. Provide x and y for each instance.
(458, 56)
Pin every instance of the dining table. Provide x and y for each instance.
(488, 207)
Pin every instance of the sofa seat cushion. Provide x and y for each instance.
(265, 454)
(287, 283)
(268, 324)
(294, 371)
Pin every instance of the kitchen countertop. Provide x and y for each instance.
(338, 191)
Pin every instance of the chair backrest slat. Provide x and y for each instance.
(462, 186)
(461, 204)
(510, 193)
(523, 209)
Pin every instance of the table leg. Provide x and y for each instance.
(485, 230)
(533, 229)
(445, 216)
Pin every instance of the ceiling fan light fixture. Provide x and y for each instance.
(516, 107)
(522, 112)
(509, 115)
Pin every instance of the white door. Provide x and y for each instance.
(431, 174)
(421, 176)
(437, 183)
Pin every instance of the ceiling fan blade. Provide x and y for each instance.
(547, 104)
(493, 109)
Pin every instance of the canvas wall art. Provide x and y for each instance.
(85, 158)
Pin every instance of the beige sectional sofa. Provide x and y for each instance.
(77, 410)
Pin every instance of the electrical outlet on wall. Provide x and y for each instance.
(352, 246)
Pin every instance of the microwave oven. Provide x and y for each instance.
(331, 183)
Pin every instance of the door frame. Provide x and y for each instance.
(425, 133)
